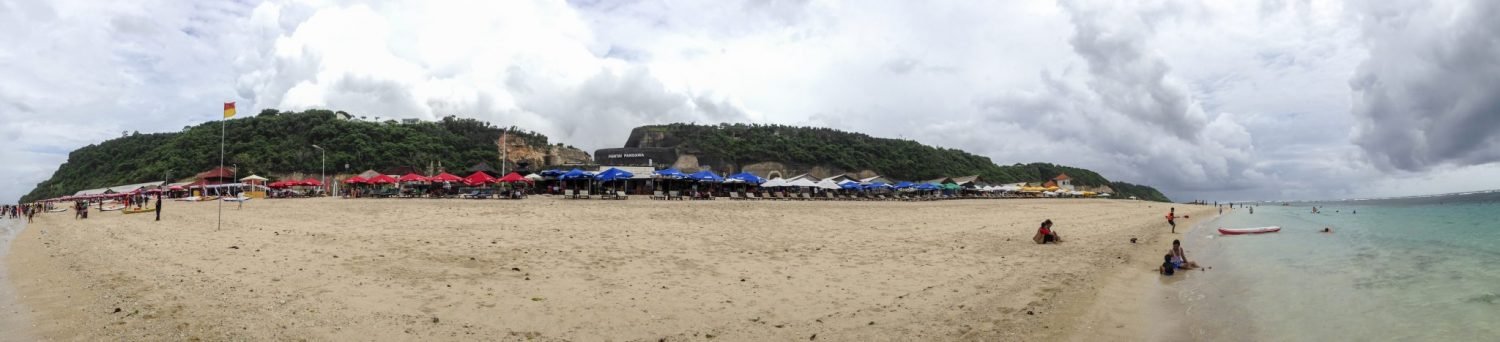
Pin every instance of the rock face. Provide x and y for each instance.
(516, 150)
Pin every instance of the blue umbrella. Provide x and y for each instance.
(551, 173)
(927, 186)
(903, 185)
(668, 174)
(613, 174)
(849, 186)
(576, 174)
(748, 178)
(706, 176)
(877, 185)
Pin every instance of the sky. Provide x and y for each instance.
(1211, 100)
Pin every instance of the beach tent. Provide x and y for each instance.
(412, 177)
(514, 178)
(478, 178)
(445, 178)
(773, 183)
(706, 176)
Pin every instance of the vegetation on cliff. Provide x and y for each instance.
(280, 142)
(900, 159)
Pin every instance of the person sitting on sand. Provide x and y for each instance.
(1179, 257)
(1045, 234)
(1327, 230)
(1167, 268)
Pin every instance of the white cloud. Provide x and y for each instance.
(1230, 100)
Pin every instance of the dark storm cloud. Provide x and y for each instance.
(1427, 95)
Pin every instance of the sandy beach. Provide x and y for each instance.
(545, 269)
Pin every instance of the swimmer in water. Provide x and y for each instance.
(1327, 230)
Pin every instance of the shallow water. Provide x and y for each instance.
(1398, 270)
(12, 322)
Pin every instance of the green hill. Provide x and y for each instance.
(742, 144)
(278, 143)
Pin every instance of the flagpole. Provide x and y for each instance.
(222, 122)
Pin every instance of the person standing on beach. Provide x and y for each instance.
(1171, 219)
(158, 206)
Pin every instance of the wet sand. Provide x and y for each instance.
(546, 269)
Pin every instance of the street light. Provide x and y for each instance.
(322, 173)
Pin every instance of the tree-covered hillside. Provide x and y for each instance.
(899, 159)
(279, 142)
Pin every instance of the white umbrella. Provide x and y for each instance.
(828, 184)
(534, 177)
(777, 182)
(802, 182)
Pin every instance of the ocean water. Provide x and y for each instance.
(12, 322)
(1414, 269)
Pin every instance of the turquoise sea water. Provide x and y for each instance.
(1415, 269)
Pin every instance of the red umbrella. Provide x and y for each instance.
(479, 178)
(446, 177)
(311, 182)
(382, 179)
(513, 178)
(412, 177)
(355, 180)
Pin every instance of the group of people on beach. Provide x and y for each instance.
(17, 211)
(1176, 259)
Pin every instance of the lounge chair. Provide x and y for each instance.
(569, 194)
(620, 195)
(657, 195)
(674, 194)
(584, 194)
(734, 195)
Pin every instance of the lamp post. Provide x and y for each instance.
(322, 167)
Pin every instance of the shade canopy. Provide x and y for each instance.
(412, 177)
(253, 178)
(877, 186)
(382, 179)
(513, 178)
(352, 180)
(849, 186)
(576, 174)
(801, 182)
(551, 173)
(478, 178)
(828, 184)
(535, 177)
(613, 174)
(745, 177)
(445, 178)
(311, 182)
(706, 176)
(668, 174)
(927, 186)
(950, 186)
(773, 183)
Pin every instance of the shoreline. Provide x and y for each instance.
(16, 320)
(1134, 295)
(372, 266)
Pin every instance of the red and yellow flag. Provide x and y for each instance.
(228, 110)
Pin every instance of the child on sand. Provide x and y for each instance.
(1172, 215)
(1178, 257)
(1045, 234)
(1167, 268)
